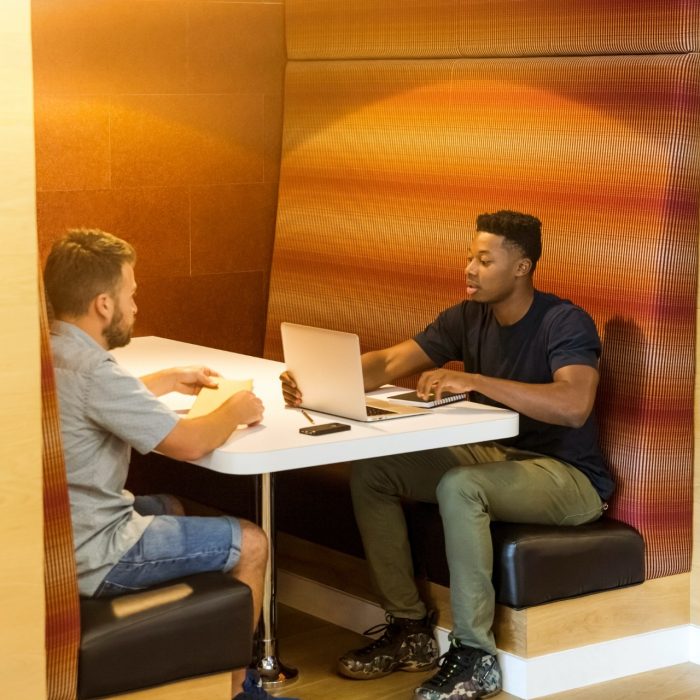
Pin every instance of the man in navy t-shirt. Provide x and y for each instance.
(528, 351)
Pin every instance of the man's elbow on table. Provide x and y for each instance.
(187, 441)
(193, 438)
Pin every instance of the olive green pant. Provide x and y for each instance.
(473, 484)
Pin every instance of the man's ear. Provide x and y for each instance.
(103, 304)
(524, 267)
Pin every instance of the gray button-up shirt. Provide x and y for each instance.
(104, 412)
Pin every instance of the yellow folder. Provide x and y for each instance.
(209, 399)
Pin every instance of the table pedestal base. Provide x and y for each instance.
(273, 672)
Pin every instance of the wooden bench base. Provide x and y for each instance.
(653, 605)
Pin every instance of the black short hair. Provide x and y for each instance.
(523, 230)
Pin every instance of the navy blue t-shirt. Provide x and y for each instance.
(553, 333)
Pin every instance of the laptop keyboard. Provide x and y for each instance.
(374, 411)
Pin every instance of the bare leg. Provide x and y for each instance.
(251, 571)
(172, 504)
(250, 568)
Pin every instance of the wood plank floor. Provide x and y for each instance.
(312, 645)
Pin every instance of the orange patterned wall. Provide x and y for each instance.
(405, 29)
(160, 121)
(387, 162)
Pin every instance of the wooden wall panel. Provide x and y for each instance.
(160, 121)
(22, 657)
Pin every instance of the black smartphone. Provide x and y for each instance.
(324, 428)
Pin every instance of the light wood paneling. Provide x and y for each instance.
(695, 571)
(656, 604)
(217, 687)
(22, 658)
(566, 624)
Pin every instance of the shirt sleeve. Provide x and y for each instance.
(573, 338)
(121, 404)
(441, 340)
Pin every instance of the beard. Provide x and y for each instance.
(115, 335)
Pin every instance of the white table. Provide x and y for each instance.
(276, 444)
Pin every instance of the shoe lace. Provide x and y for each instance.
(454, 661)
(388, 630)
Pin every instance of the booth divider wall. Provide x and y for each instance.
(160, 122)
(404, 121)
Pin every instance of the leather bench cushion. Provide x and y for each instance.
(536, 564)
(136, 640)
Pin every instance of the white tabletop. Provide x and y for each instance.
(277, 445)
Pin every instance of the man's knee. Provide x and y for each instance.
(363, 476)
(173, 505)
(464, 484)
(254, 543)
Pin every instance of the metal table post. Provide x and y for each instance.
(272, 671)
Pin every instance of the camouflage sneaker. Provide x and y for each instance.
(405, 645)
(464, 673)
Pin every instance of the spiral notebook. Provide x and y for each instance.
(410, 398)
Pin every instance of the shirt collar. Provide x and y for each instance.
(70, 330)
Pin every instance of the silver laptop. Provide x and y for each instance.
(327, 368)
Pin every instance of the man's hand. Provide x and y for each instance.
(189, 380)
(186, 380)
(290, 390)
(247, 406)
(431, 384)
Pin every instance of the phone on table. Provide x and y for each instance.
(324, 428)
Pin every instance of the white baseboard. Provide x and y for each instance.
(595, 663)
(694, 644)
(524, 678)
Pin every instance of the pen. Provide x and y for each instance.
(307, 416)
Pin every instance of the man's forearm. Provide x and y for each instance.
(556, 402)
(193, 438)
(374, 370)
(567, 400)
(384, 366)
(159, 383)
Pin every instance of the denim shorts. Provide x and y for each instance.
(173, 546)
